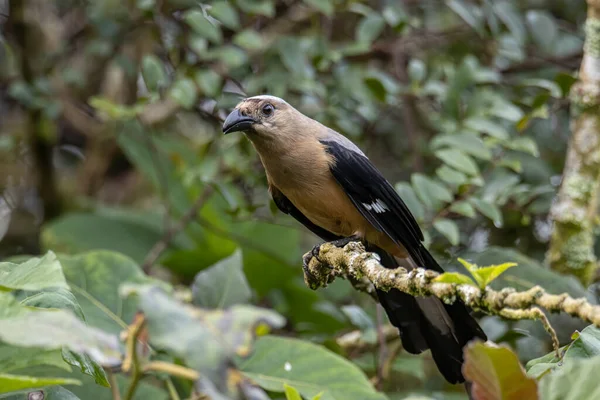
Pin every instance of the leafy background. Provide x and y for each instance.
(110, 115)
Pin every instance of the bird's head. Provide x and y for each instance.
(262, 116)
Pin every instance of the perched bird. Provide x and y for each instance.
(326, 182)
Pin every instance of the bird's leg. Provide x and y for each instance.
(344, 241)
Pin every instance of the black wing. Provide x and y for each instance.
(286, 206)
(375, 198)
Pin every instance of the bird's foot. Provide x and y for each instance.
(318, 273)
(312, 269)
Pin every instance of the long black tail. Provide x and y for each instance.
(427, 323)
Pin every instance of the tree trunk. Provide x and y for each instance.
(575, 211)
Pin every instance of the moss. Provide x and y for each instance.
(577, 250)
(579, 187)
(592, 37)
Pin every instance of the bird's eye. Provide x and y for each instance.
(268, 110)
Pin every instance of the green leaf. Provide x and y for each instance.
(202, 26)
(463, 208)
(94, 278)
(87, 365)
(249, 39)
(369, 28)
(324, 6)
(154, 73)
(17, 358)
(543, 29)
(208, 81)
(451, 176)
(205, 339)
(454, 277)
(488, 209)
(449, 229)
(260, 7)
(309, 368)
(291, 393)
(222, 285)
(577, 380)
(432, 193)
(485, 275)
(10, 383)
(225, 13)
(586, 345)
(496, 373)
(524, 144)
(459, 160)
(59, 298)
(34, 274)
(113, 231)
(409, 197)
(510, 15)
(471, 14)
(59, 329)
(184, 92)
(467, 142)
(483, 125)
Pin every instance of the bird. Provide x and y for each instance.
(324, 181)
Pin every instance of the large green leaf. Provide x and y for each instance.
(95, 277)
(60, 329)
(129, 232)
(51, 393)
(309, 368)
(34, 274)
(10, 383)
(586, 345)
(578, 380)
(53, 298)
(222, 285)
(18, 358)
(205, 339)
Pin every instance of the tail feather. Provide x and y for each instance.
(427, 323)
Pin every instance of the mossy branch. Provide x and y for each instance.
(354, 261)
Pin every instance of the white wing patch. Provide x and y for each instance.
(378, 206)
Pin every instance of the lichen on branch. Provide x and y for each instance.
(354, 261)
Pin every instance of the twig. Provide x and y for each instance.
(354, 344)
(114, 385)
(382, 354)
(131, 361)
(355, 261)
(172, 369)
(166, 239)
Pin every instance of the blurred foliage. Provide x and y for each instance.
(110, 115)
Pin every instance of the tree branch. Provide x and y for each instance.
(353, 260)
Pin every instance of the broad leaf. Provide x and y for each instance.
(307, 367)
(578, 380)
(34, 274)
(60, 329)
(10, 383)
(87, 365)
(95, 278)
(205, 339)
(222, 285)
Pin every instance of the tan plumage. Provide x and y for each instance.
(324, 181)
(297, 165)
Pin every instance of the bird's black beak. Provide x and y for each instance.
(237, 122)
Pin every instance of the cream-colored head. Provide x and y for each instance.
(266, 119)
